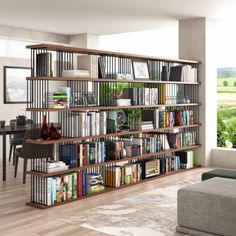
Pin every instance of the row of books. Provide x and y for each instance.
(82, 154)
(82, 124)
(129, 173)
(88, 153)
(185, 73)
(182, 139)
(52, 190)
(175, 118)
(145, 145)
(141, 96)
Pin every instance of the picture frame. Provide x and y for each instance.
(90, 98)
(140, 70)
(15, 84)
(83, 99)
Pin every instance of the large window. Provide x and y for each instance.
(226, 86)
(14, 48)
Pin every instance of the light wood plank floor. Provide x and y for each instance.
(17, 219)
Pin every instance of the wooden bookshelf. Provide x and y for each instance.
(140, 157)
(109, 189)
(110, 107)
(123, 133)
(105, 90)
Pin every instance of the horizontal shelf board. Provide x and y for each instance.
(77, 139)
(63, 48)
(110, 107)
(109, 80)
(140, 157)
(40, 206)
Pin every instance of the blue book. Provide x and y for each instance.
(84, 192)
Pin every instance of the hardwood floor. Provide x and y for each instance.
(17, 219)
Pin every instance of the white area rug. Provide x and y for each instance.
(151, 213)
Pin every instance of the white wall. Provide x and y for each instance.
(224, 157)
(197, 42)
(32, 35)
(161, 42)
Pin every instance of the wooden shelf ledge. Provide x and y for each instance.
(123, 133)
(110, 107)
(108, 80)
(64, 48)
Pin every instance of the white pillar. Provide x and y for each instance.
(197, 41)
(84, 41)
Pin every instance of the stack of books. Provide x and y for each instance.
(59, 98)
(145, 125)
(94, 183)
(53, 166)
(75, 73)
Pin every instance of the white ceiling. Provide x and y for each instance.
(106, 16)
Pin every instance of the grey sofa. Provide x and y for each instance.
(207, 208)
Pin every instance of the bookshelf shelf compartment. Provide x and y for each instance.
(105, 111)
(40, 206)
(124, 133)
(140, 157)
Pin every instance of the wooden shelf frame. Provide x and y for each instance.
(108, 80)
(71, 52)
(69, 49)
(140, 157)
(40, 206)
(124, 133)
(86, 108)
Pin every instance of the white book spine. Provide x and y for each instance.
(103, 122)
(97, 122)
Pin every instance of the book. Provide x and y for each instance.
(44, 64)
(176, 73)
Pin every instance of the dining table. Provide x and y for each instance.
(4, 131)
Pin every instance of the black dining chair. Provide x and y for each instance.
(16, 140)
(32, 151)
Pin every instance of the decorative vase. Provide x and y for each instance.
(53, 132)
(44, 129)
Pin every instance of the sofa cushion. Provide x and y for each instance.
(208, 206)
(223, 173)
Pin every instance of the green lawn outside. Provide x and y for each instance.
(226, 89)
(229, 80)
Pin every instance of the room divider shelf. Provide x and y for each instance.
(79, 89)
(109, 189)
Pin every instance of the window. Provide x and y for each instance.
(226, 86)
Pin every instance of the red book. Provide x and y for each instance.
(79, 184)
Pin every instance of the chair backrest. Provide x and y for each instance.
(31, 151)
(18, 135)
